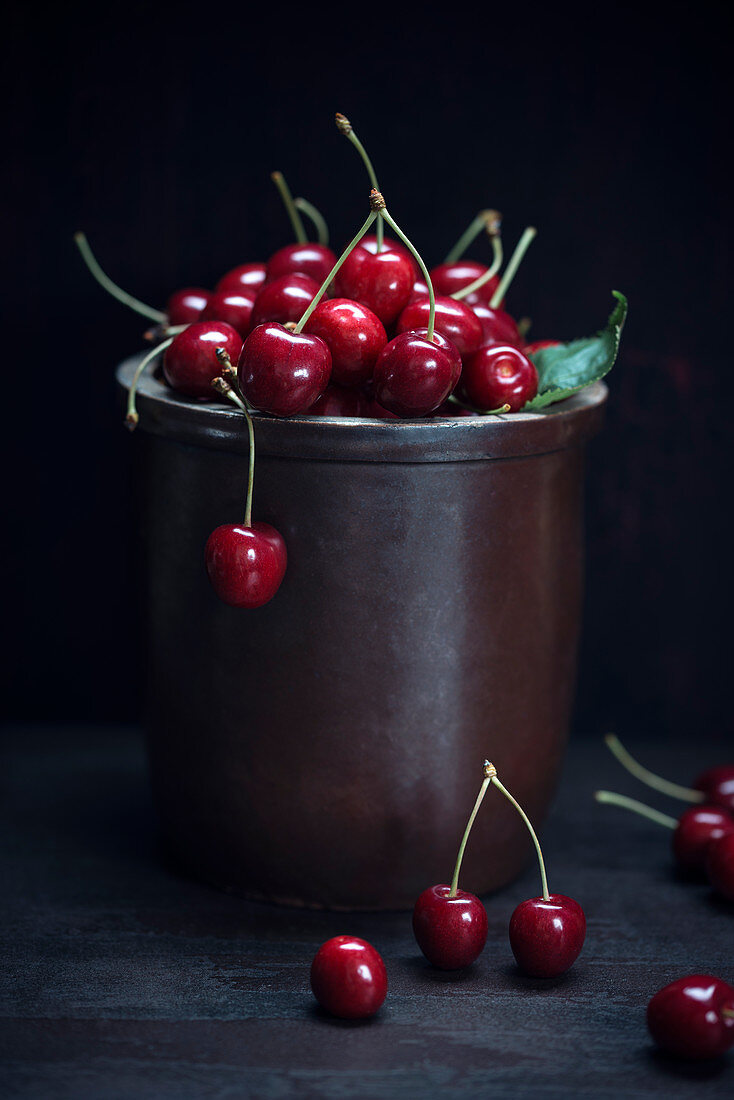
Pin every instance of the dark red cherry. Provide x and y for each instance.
(546, 937)
(341, 401)
(457, 322)
(381, 281)
(448, 279)
(693, 1017)
(420, 290)
(251, 276)
(348, 978)
(695, 830)
(354, 335)
(246, 564)
(448, 347)
(720, 865)
(190, 364)
(314, 260)
(369, 241)
(451, 932)
(498, 327)
(187, 305)
(718, 785)
(285, 299)
(499, 375)
(234, 307)
(413, 375)
(282, 372)
(538, 345)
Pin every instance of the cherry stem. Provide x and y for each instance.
(536, 842)
(524, 325)
(488, 274)
(291, 210)
(317, 218)
(104, 280)
(344, 126)
(485, 412)
(223, 387)
(131, 419)
(675, 790)
(330, 277)
(419, 260)
(610, 798)
(515, 260)
(728, 1013)
(488, 773)
(471, 232)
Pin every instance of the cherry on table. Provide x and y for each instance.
(282, 372)
(720, 864)
(454, 320)
(382, 281)
(190, 363)
(233, 306)
(348, 978)
(697, 827)
(546, 935)
(285, 299)
(717, 785)
(450, 278)
(499, 374)
(498, 327)
(246, 564)
(187, 305)
(693, 1017)
(413, 375)
(354, 335)
(251, 276)
(314, 260)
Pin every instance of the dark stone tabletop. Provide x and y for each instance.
(122, 979)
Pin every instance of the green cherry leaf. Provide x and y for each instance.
(567, 368)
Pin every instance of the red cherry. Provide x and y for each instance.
(720, 864)
(718, 785)
(282, 372)
(187, 305)
(389, 244)
(538, 345)
(190, 363)
(498, 327)
(694, 832)
(448, 279)
(283, 300)
(693, 1017)
(353, 335)
(546, 937)
(446, 345)
(420, 290)
(499, 375)
(234, 307)
(341, 401)
(246, 564)
(413, 375)
(348, 978)
(457, 322)
(450, 931)
(381, 281)
(250, 275)
(314, 260)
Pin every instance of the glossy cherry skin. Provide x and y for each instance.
(450, 278)
(457, 322)
(497, 375)
(314, 260)
(413, 375)
(718, 785)
(451, 932)
(498, 327)
(354, 335)
(720, 865)
(546, 937)
(348, 978)
(445, 345)
(285, 299)
(246, 564)
(382, 281)
(251, 276)
(187, 305)
(190, 364)
(234, 307)
(694, 832)
(693, 1017)
(282, 372)
(369, 241)
(341, 401)
(538, 345)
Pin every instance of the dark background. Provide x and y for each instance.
(155, 131)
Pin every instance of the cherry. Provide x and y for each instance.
(284, 299)
(382, 281)
(693, 1017)
(369, 241)
(233, 306)
(696, 829)
(454, 320)
(250, 275)
(498, 327)
(715, 786)
(445, 345)
(413, 375)
(190, 363)
(420, 290)
(282, 372)
(341, 401)
(348, 978)
(189, 304)
(538, 345)
(450, 278)
(353, 335)
(246, 564)
(498, 375)
(720, 864)
(314, 260)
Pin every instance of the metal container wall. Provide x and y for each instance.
(327, 748)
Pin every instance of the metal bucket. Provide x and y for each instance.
(326, 749)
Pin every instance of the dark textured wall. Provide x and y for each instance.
(155, 130)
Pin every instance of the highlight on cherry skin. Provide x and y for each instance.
(693, 1017)
(348, 978)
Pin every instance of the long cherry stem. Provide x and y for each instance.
(330, 277)
(491, 271)
(488, 773)
(610, 798)
(223, 387)
(344, 126)
(515, 260)
(295, 218)
(131, 419)
(531, 830)
(675, 790)
(317, 218)
(471, 232)
(377, 198)
(104, 280)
